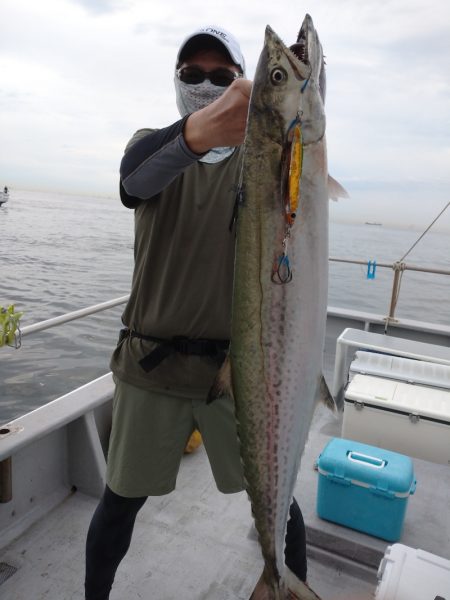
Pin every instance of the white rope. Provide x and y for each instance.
(400, 266)
(426, 230)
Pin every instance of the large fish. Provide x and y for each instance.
(280, 287)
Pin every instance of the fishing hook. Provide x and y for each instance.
(282, 272)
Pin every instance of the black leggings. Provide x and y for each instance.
(295, 542)
(109, 538)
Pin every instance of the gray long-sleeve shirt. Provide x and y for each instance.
(152, 160)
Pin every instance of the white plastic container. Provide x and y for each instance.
(409, 574)
(409, 419)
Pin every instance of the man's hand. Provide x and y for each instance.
(221, 123)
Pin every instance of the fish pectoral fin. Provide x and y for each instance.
(336, 190)
(325, 396)
(295, 588)
(221, 385)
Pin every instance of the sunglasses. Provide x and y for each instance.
(221, 77)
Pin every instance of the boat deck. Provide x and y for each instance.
(198, 544)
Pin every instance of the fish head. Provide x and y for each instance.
(277, 85)
(290, 83)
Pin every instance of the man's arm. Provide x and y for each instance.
(153, 158)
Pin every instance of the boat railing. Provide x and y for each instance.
(72, 316)
(394, 266)
(79, 409)
(398, 267)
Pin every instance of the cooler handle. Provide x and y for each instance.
(368, 461)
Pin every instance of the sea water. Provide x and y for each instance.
(60, 253)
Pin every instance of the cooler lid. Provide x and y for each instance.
(349, 462)
(403, 369)
(403, 397)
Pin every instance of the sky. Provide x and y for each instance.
(79, 77)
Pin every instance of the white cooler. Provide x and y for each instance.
(409, 574)
(409, 419)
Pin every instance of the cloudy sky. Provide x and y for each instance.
(78, 77)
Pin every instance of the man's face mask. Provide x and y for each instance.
(191, 98)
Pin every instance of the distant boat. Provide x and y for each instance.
(4, 196)
(373, 223)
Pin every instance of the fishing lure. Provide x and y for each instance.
(290, 179)
(295, 171)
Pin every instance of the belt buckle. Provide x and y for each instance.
(181, 344)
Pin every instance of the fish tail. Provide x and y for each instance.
(289, 588)
(266, 588)
(295, 589)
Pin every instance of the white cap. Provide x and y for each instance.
(229, 42)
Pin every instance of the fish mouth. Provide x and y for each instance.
(301, 47)
(300, 51)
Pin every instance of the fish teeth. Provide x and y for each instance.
(299, 51)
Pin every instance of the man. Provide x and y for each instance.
(181, 182)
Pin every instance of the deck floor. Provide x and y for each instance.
(198, 544)
(198, 548)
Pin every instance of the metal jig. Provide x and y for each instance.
(291, 174)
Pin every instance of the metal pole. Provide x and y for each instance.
(394, 295)
(392, 265)
(76, 314)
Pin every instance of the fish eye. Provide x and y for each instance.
(278, 76)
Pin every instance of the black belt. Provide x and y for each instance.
(198, 347)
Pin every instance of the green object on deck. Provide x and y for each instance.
(10, 327)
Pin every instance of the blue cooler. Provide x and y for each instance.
(364, 487)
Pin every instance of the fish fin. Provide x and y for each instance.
(291, 588)
(262, 591)
(221, 385)
(297, 589)
(325, 395)
(336, 190)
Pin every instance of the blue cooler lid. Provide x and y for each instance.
(382, 470)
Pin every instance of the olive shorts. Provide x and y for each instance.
(150, 430)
